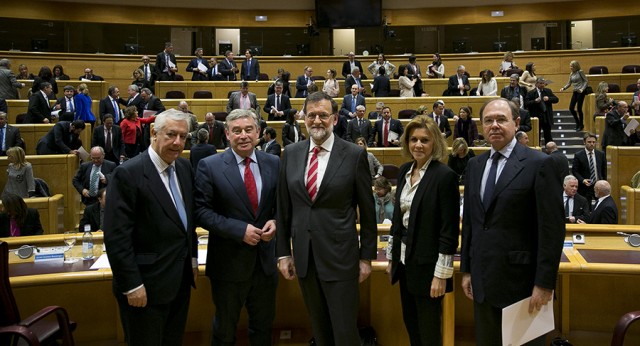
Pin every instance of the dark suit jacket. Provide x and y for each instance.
(525, 121)
(64, 114)
(347, 104)
(508, 92)
(94, 78)
(3, 105)
(154, 104)
(197, 76)
(250, 74)
(613, 130)
(135, 101)
(140, 208)
(234, 102)
(351, 81)
(378, 131)
(328, 224)
(12, 138)
(452, 86)
(346, 68)
(580, 169)
(288, 133)
(605, 213)
(38, 110)
(433, 225)
(381, 86)
(58, 140)
(91, 217)
(284, 104)
(561, 164)
(273, 148)
(580, 207)
(516, 243)
(301, 87)
(340, 128)
(365, 130)
(225, 67)
(217, 75)
(219, 138)
(83, 176)
(161, 65)
(542, 109)
(444, 124)
(106, 107)
(117, 143)
(153, 73)
(223, 208)
(31, 225)
(200, 151)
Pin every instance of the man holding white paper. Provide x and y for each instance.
(513, 225)
(198, 66)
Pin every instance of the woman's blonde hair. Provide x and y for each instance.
(424, 122)
(457, 144)
(602, 88)
(83, 88)
(18, 154)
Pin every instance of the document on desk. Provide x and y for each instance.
(101, 262)
(519, 326)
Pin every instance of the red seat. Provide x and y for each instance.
(46, 326)
(623, 324)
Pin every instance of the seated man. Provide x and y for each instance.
(63, 138)
(269, 144)
(605, 211)
(92, 176)
(377, 114)
(9, 135)
(575, 206)
(513, 90)
(89, 76)
(94, 213)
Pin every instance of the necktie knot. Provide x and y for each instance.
(247, 161)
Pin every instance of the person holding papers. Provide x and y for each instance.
(198, 66)
(166, 65)
(132, 130)
(387, 130)
(513, 225)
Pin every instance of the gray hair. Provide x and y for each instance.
(98, 148)
(239, 114)
(202, 135)
(134, 88)
(5, 62)
(515, 76)
(360, 107)
(569, 178)
(171, 114)
(355, 69)
(146, 91)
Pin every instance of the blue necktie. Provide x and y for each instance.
(490, 185)
(2, 129)
(176, 196)
(353, 104)
(116, 111)
(71, 106)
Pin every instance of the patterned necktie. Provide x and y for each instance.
(592, 168)
(250, 184)
(312, 176)
(385, 135)
(107, 144)
(490, 184)
(175, 194)
(116, 111)
(94, 181)
(70, 106)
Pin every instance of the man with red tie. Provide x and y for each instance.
(387, 130)
(235, 197)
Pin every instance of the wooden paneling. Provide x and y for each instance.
(629, 205)
(622, 164)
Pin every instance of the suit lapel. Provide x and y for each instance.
(511, 169)
(335, 161)
(232, 174)
(267, 176)
(157, 187)
(422, 186)
(300, 156)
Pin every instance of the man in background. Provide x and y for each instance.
(93, 176)
(166, 64)
(589, 166)
(109, 136)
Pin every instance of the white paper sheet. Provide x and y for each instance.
(632, 125)
(147, 113)
(202, 256)
(393, 136)
(519, 327)
(101, 262)
(84, 155)
(202, 68)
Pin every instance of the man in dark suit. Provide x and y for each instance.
(268, 141)
(415, 74)
(575, 206)
(92, 176)
(614, 124)
(350, 64)
(152, 103)
(194, 66)
(605, 211)
(321, 184)
(539, 102)
(109, 137)
(228, 67)
(94, 214)
(381, 84)
(111, 105)
(236, 203)
(63, 138)
(356, 79)
(201, 148)
(303, 82)
(513, 225)
(9, 136)
(166, 65)
(66, 105)
(250, 67)
(360, 127)
(243, 99)
(215, 128)
(383, 128)
(89, 76)
(148, 70)
(150, 197)
(525, 117)
(589, 166)
(351, 101)
(277, 103)
(438, 116)
(214, 72)
(459, 83)
(39, 110)
(135, 99)
(377, 114)
(559, 159)
(513, 90)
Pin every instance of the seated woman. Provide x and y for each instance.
(603, 102)
(19, 174)
(58, 73)
(528, 78)
(488, 85)
(465, 126)
(374, 165)
(291, 132)
(384, 199)
(16, 219)
(459, 157)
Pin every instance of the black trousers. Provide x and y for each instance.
(577, 99)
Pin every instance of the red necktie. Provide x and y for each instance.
(250, 184)
(386, 134)
(210, 135)
(312, 176)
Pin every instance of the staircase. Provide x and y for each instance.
(563, 131)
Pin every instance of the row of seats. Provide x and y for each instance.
(601, 69)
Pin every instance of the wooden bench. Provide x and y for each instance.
(622, 164)
(629, 205)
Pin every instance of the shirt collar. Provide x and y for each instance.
(507, 150)
(326, 146)
(240, 159)
(158, 162)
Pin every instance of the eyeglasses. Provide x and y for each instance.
(323, 116)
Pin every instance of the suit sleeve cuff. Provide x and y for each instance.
(194, 262)
(133, 290)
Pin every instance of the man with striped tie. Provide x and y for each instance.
(323, 180)
(589, 166)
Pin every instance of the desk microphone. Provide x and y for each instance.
(631, 239)
(25, 251)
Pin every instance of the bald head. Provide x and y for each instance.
(602, 188)
(551, 147)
